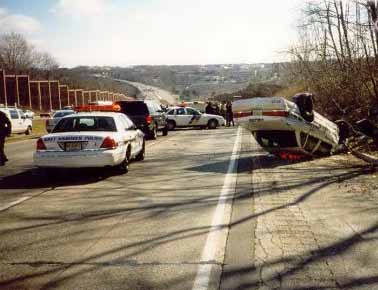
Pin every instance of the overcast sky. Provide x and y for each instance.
(131, 32)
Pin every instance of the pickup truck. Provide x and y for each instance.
(20, 124)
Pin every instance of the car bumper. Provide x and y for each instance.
(82, 159)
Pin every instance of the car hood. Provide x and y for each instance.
(213, 116)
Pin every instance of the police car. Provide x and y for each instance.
(98, 138)
(190, 117)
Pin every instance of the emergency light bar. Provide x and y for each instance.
(98, 108)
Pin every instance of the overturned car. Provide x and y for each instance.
(288, 129)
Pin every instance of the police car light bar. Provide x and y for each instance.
(98, 108)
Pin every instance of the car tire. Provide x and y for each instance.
(171, 125)
(165, 130)
(153, 134)
(28, 130)
(124, 166)
(142, 153)
(212, 124)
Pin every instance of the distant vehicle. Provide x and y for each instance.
(20, 124)
(46, 114)
(90, 140)
(29, 114)
(148, 116)
(284, 128)
(190, 117)
(50, 123)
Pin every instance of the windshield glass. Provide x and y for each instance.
(62, 114)
(134, 108)
(87, 123)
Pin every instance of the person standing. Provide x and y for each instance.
(216, 109)
(223, 109)
(229, 115)
(5, 130)
(209, 108)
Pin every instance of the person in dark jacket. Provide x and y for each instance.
(209, 108)
(229, 115)
(5, 130)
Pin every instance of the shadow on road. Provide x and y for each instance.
(34, 178)
(308, 185)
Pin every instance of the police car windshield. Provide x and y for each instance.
(86, 123)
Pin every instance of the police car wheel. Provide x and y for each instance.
(212, 124)
(142, 153)
(124, 166)
(171, 125)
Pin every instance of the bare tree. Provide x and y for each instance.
(45, 62)
(15, 53)
(337, 55)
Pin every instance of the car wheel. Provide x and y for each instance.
(165, 130)
(124, 166)
(212, 124)
(154, 133)
(171, 125)
(142, 153)
(28, 130)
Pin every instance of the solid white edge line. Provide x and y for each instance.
(14, 203)
(221, 217)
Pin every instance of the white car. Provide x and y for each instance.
(29, 114)
(91, 139)
(190, 117)
(20, 124)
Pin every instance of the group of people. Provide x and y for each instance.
(5, 130)
(224, 110)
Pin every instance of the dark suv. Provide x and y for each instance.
(147, 116)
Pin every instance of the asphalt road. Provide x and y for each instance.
(148, 229)
(207, 209)
(153, 93)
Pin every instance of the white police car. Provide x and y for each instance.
(190, 117)
(91, 139)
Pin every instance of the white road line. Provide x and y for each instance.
(216, 240)
(14, 203)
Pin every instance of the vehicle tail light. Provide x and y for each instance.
(276, 113)
(243, 114)
(41, 145)
(109, 143)
(148, 119)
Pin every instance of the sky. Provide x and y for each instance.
(155, 32)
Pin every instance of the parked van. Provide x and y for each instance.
(20, 123)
